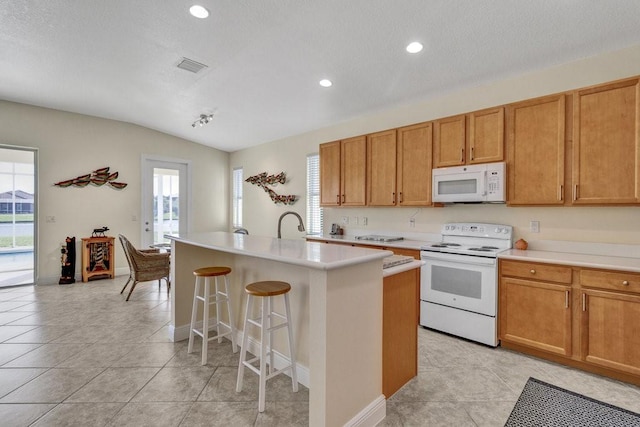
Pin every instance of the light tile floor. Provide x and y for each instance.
(80, 355)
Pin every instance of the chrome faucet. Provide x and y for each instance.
(300, 225)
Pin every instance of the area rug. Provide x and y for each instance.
(542, 404)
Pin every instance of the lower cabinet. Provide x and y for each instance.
(399, 330)
(610, 337)
(536, 314)
(583, 317)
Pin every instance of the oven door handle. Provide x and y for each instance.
(461, 259)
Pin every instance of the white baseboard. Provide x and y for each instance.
(371, 415)
(181, 333)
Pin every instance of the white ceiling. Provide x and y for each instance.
(117, 58)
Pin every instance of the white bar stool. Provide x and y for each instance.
(266, 290)
(218, 298)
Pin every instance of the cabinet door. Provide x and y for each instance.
(535, 151)
(353, 171)
(486, 136)
(605, 151)
(414, 165)
(330, 174)
(536, 314)
(381, 168)
(449, 142)
(610, 330)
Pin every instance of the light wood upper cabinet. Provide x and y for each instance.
(536, 151)
(486, 136)
(414, 165)
(449, 141)
(353, 171)
(343, 172)
(381, 168)
(330, 194)
(606, 151)
(483, 143)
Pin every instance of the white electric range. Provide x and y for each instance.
(459, 281)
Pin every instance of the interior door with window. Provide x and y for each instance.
(165, 200)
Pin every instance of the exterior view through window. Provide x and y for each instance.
(17, 215)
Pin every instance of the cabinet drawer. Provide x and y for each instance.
(535, 271)
(619, 281)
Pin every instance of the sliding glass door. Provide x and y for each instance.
(17, 216)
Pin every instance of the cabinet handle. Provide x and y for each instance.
(338, 196)
(472, 152)
(462, 156)
(566, 299)
(625, 282)
(343, 198)
(393, 198)
(575, 192)
(533, 271)
(401, 197)
(584, 302)
(561, 194)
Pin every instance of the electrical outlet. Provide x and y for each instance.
(355, 220)
(134, 218)
(345, 220)
(364, 220)
(50, 218)
(534, 226)
(412, 222)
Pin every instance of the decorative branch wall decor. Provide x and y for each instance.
(98, 178)
(263, 180)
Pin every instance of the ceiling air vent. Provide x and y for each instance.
(191, 65)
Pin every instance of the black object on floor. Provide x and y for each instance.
(543, 404)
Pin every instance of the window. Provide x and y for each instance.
(314, 211)
(237, 197)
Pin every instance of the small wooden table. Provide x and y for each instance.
(97, 258)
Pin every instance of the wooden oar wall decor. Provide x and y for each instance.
(98, 178)
(263, 179)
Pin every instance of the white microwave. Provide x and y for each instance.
(470, 184)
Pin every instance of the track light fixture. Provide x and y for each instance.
(203, 120)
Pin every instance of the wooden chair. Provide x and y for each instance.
(145, 265)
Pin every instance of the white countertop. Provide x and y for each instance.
(296, 252)
(402, 268)
(577, 259)
(405, 243)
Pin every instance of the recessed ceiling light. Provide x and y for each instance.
(414, 47)
(199, 11)
(325, 83)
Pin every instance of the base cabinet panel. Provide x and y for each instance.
(399, 330)
(536, 315)
(610, 324)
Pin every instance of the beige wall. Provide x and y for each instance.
(613, 225)
(70, 145)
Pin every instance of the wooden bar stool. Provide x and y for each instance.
(218, 298)
(266, 290)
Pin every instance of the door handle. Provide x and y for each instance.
(566, 299)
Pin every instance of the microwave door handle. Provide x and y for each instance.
(484, 183)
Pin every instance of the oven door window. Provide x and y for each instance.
(470, 287)
(464, 283)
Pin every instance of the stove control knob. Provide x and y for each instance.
(505, 231)
(498, 230)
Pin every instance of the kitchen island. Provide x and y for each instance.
(336, 301)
